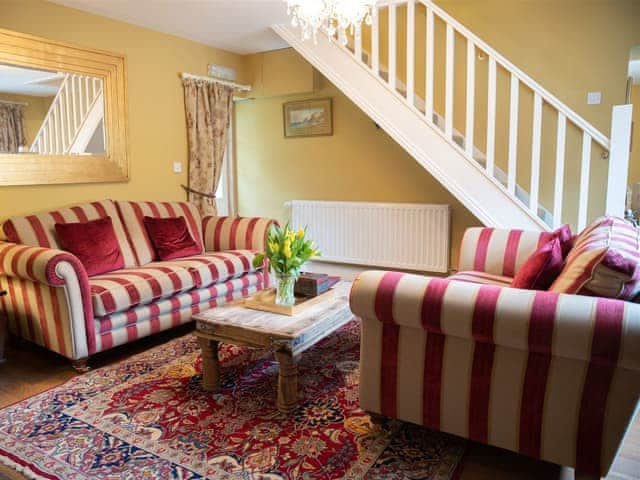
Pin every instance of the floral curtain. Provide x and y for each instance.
(208, 107)
(12, 133)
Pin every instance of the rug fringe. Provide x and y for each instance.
(23, 469)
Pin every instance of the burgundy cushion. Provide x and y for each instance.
(171, 238)
(94, 243)
(541, 268)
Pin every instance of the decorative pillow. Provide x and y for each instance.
(541, 268)
(603, 261)
(563, 233)
(171, 238)
(94, 243)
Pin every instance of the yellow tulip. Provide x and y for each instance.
(301, 233)
(287, 249)
(275, 248)
(291, 236)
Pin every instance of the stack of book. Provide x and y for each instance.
(314, 284)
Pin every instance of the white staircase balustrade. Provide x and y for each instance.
(479, 176)
(73, 117)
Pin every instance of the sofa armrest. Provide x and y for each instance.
(49, 298)
(497, 251)
(590, 329)
(235, 233)
(37, 264)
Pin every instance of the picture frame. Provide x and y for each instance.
(308, 118)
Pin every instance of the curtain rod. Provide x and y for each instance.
(237, 86)
(8, 102)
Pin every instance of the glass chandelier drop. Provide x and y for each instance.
(330, 16)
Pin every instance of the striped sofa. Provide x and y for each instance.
(52, 302)
(553, 376)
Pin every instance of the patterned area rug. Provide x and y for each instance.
(149, 418)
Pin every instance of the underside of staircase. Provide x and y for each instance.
(492, 192)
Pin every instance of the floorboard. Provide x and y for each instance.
(30, 370)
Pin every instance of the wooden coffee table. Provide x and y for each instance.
(287, 336)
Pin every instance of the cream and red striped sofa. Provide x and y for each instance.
(52, 302)
(552, 376)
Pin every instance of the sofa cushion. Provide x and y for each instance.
(133, 213)
(94, 243)
(215, 267)
(38, 229)
(122, 289)
(483, 278)
(603, 261)
(542, 268)
(171, 238)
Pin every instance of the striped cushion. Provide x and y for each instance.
(498, 251)
(38, 229)
(122, 289)
(231, 233)
(482, 278)
(185, 300)
(214, 267)
(603, 262)
(133, 213)
(186, 305)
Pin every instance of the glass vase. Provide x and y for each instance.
(284, 289)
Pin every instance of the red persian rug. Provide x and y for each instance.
(149, 418)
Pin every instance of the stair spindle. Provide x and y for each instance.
(411, 12)
(491, 117)
(471, 89)
(535, 153)
(583, 202)
(392, 46)
(74, 102)
(375, 45)
(449, 79)
(357, 43)
(67, 107)
(559, 180)
(428, 101)
(513, 134)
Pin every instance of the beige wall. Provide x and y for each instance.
(34, 112)
(157, 135)
(358, 163)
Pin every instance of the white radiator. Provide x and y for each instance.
(407, 236)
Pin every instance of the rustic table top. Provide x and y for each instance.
(235, 317)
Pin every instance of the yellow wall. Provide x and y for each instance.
(570, 47)
(358, 163)
(634, 162)
(157, 134)
(34, 112)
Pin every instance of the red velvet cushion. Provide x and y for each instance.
(171, 238)
(541, 268)
(94, 243)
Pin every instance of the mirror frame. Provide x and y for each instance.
(36, 169)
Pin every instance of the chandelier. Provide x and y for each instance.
(330, 16)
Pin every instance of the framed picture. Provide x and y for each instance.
(308, 118)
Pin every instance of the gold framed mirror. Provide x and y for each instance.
(63, 113)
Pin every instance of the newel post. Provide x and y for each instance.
(619, 159)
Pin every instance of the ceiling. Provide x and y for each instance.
(240, 26)
(25, 81)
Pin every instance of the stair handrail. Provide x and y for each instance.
(547, 96)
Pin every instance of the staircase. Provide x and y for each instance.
(477, 123)
(75, 114)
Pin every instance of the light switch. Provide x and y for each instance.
(177, 167)
(594, 98)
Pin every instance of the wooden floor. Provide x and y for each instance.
(30, 370)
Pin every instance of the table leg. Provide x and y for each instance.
(210, 364)
(287, 381)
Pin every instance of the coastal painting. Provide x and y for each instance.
(308, 118)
